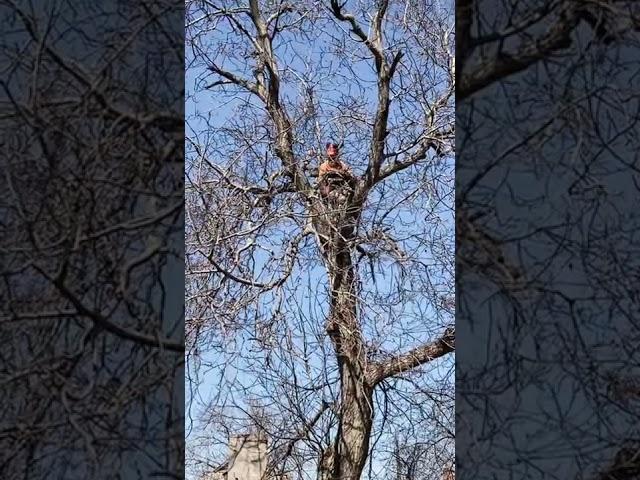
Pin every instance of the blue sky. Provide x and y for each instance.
(332, 83)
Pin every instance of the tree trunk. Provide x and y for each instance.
(355, 426)
(336, 221)
(356, 412)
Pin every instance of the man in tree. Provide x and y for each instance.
(315, 312)
(449, 473)
(333, 173)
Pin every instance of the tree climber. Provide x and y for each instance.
(333, 174)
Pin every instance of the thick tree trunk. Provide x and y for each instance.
(336, 221)
(355, 426)
(356, 411)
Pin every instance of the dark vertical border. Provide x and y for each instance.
(547, 243)
(91, 240)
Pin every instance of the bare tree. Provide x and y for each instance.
(91, 202)
(331, 318)
(546, 167)
(412, 460)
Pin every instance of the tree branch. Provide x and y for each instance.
(284, 128)
(106, 324)
(413, 358)
(375, 49)
(558, 37)
(418, 155)
(303, 432)
(385, 75)
(233, 79)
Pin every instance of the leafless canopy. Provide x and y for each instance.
(323, 324)
(91, 187)
(546, 195)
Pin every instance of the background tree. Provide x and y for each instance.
(328, 326)
(91, 241)
(547, 144)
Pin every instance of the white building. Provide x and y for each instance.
(247, 459)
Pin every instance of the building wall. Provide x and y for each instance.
(248, 458)
(215, 476)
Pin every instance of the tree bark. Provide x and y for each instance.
(356, 412)
(351, 446)
(355, 426)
